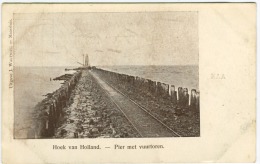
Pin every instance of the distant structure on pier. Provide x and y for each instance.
(86, 63)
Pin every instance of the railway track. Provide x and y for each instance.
(145, 123)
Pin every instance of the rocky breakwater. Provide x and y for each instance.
(50, 111)
(177, 109)
(91, 114)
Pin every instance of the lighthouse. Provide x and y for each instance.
(86, 63)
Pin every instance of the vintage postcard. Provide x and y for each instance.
(135, 83)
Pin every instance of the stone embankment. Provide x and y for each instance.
(49, 111)
(177, 109)
(79, 109)
(91, 114)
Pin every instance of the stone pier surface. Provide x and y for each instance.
(91, 114)
(145, 124)
(174, 107)
(102, 104)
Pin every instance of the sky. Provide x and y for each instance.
(146, 38)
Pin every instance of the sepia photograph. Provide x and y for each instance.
(129, 83)
(106, 75)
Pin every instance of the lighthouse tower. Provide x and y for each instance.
(86, 63)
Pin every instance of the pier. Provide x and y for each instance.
(96, 103)
(145, 123)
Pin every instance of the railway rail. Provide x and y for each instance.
(145, 123)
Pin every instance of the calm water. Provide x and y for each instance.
(31, 83)
(180, 76)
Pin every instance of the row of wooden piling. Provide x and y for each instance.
(51, 108)
(140, 85)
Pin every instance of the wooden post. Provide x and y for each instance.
(185, 97)
(180, 96)
(168, 90)
(165, 90)
(193, 99)
(59, 106)
(51, 121)
(197, 100)
(173, 94)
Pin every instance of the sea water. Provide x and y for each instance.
(30, 86)
(186, 76)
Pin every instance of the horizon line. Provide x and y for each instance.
(110, 65)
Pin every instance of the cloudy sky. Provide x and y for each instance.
(148, 38)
